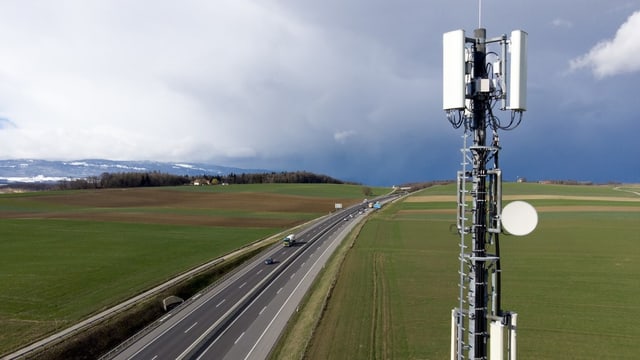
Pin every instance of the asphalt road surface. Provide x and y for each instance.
(243, 317)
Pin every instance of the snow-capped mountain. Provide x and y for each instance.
(30, 170)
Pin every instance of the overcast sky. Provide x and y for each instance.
(351, 89)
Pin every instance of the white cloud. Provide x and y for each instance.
(615, 56)
(564, 23)
(343, 136)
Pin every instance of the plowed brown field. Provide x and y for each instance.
(152, 205)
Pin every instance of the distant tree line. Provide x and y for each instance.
(297, 177)
(150, 179)
(568, 182)
(123, 180)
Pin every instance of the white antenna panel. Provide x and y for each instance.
(453, 86)
(518, 71)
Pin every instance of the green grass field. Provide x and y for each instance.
(573, 282)
(55, 272)
(67, 254)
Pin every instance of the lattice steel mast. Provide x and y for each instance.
(473, 85)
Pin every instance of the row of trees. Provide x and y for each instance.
(124, 180)
(148, 179)
(297, 177)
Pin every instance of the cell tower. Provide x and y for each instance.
(475, 80)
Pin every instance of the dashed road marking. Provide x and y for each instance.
(191, 327)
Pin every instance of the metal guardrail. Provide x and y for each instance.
(258, 289)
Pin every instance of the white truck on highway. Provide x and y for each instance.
(289, 240)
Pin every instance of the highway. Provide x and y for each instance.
(243, 316)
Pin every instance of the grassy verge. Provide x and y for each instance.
(301, 327)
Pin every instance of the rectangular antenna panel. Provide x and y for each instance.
(453, 68)
(496, 340)
(518, 71)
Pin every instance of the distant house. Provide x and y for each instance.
(198, 182)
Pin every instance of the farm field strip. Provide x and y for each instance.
(573, 281)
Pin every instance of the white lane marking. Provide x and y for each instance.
(165, 318)
(292, 275)
(154, 358)
(221, 302)
(224, 316)
(241, 285)
(217, 323)
(191, 327)
(278, 292)
(287, 300)
(210, 296)
(261, 311)
(239, 337)
(197, 296)
(261, 270)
